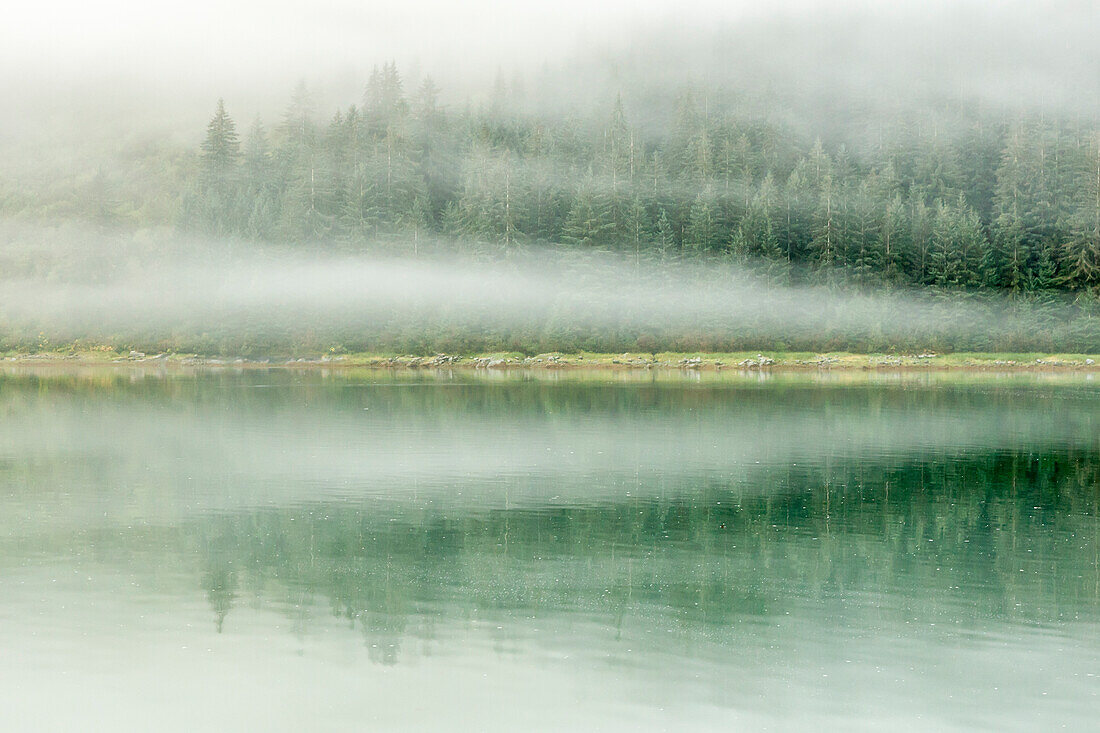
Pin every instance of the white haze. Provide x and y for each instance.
(128, 66)
(85, 84)
(168, 291)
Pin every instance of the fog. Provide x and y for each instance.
(82, 82)
(167, 60)
(105, 107)
(178, 293)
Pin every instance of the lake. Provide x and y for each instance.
(309, 550)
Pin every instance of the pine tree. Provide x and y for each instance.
(638, 230)
(296, 133)
(214, 204)
(257, 155)
(221, 146)
(796, 209)
(701, 234)
(589, 223)
(260, 203)
(895, 239)
(1082, 248)
(957, 242)
(1006, 259)
(619, 149)
(384, 100)
(758, 236)
(683, 153)
(921, 250)
(826, 242)
(666, 237)
(299, 216)
(866, 255)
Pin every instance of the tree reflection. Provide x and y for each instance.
(970, 535)
(220, 574)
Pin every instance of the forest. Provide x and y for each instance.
(673, 217)
(985, 202)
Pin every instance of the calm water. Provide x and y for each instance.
(305, 551)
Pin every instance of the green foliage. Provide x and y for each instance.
(1004, 206)
(993, 204)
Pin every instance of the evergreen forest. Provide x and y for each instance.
(964, 199)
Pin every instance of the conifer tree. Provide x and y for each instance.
(701, 235)
(221, 146)
(589, 222)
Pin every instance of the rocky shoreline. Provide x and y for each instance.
(557, 361)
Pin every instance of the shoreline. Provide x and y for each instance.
(725, 362)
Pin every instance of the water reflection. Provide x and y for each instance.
(712, 552)
(974, 539)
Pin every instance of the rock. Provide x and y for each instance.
(1090, 362)
(758, 362)
(136, 355)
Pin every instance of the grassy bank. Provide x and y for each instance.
(755, 360)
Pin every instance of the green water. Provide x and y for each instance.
(305, 551)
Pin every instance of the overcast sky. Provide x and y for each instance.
(84, 55)
(245, 38)
(287, 36)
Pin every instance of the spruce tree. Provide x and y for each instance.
(221, 147)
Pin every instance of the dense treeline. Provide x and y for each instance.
(931, 216)
(994, 203)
